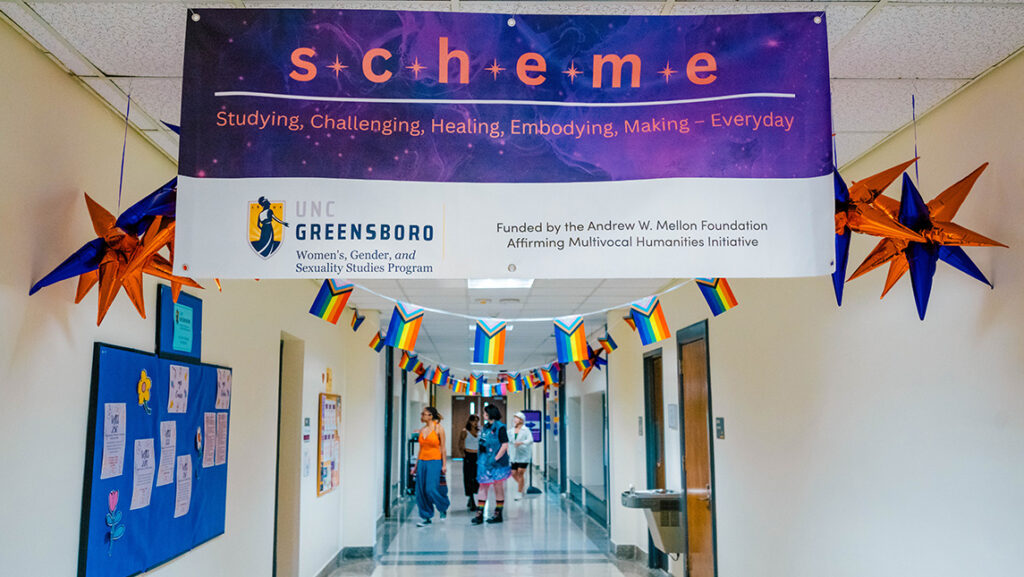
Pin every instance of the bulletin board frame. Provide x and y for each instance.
(155, 531)
(328, 452)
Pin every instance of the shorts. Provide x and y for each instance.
(516, 466)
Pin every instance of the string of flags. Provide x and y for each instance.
(646, 318)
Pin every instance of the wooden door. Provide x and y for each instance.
(697, 457)
(655, 440)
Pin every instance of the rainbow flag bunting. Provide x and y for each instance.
(331, 299)
(357, 320)
(418, 367)
(460, 387)
(405, 326)
(377, 342)
(607, 343)
(521, 382)
(555, 368)
(547, 377)
(489, 346)
(408, 361)
(649, 320)
(629, 321)
(570, 339)
(718, 293)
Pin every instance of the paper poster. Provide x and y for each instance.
(222, 438)
(168, 444)
(182, 340)
(210, 440)
(183, 490)
(113, 440)
(144, 466)
(177, 390)
(223, 389)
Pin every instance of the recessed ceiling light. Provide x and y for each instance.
(499, 283)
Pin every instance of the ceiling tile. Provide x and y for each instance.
(165, 140)
(590, 8)
(877, 105)
(850, 145)
(49, 41)
(123, 39)
(386, 5)
(923, 41)
(840, 18)
(160, 97)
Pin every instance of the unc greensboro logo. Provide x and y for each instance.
(266, 226)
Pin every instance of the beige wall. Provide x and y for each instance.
(56, 141)
(860, 440)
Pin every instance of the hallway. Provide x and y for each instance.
(541, 536)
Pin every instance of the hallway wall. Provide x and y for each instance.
(860, 440)
(59, 141)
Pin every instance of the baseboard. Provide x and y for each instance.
(331, 565)
(348, 553)
(627, 552)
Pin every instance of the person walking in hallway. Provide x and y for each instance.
(522, 447)
(431, 467)
(469, 442)
(492, 464)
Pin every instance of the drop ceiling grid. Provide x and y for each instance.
(930, 41)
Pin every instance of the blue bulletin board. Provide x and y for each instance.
(151, 491)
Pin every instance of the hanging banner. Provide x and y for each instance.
(376, 144)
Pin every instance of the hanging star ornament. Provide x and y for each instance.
(126, 247)
(858, 210)
(942, 239)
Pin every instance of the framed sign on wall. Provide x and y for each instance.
(328, 444)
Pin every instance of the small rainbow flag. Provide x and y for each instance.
(405, 326)
(440, 375)
(408, 361)
(547, 377)
(475, 380)
(649, 320)
(570, 339)
(489, 346)
(331, 299)
(460, 387)
(555, 368)
(357, 320)
(377, 342)
(520, 382)
(418, 367)
(718, 293)
(607, 343)
(629, 321)
(535, 380)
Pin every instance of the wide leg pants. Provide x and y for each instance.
(429, 492)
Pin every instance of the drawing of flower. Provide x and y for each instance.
(144, 387)
(113, 521)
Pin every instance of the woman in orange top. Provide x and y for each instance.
(431, 466)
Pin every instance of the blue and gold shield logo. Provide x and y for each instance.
(266, 226)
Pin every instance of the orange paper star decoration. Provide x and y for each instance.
(118, 260)
(941, 236)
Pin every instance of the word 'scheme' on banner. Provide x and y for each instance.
(375, 144)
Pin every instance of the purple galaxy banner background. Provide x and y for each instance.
(251, 51)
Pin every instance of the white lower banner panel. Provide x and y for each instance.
(679, 227)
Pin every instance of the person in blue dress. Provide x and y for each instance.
(266, 245)
(492, 465)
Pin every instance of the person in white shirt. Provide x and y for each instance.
(522, 449)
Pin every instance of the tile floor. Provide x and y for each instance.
(541, 536)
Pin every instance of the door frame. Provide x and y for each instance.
(389, 424)
(656, 558)
(687, 335)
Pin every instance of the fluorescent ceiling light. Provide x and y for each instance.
(499, 283)
(508, 327)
